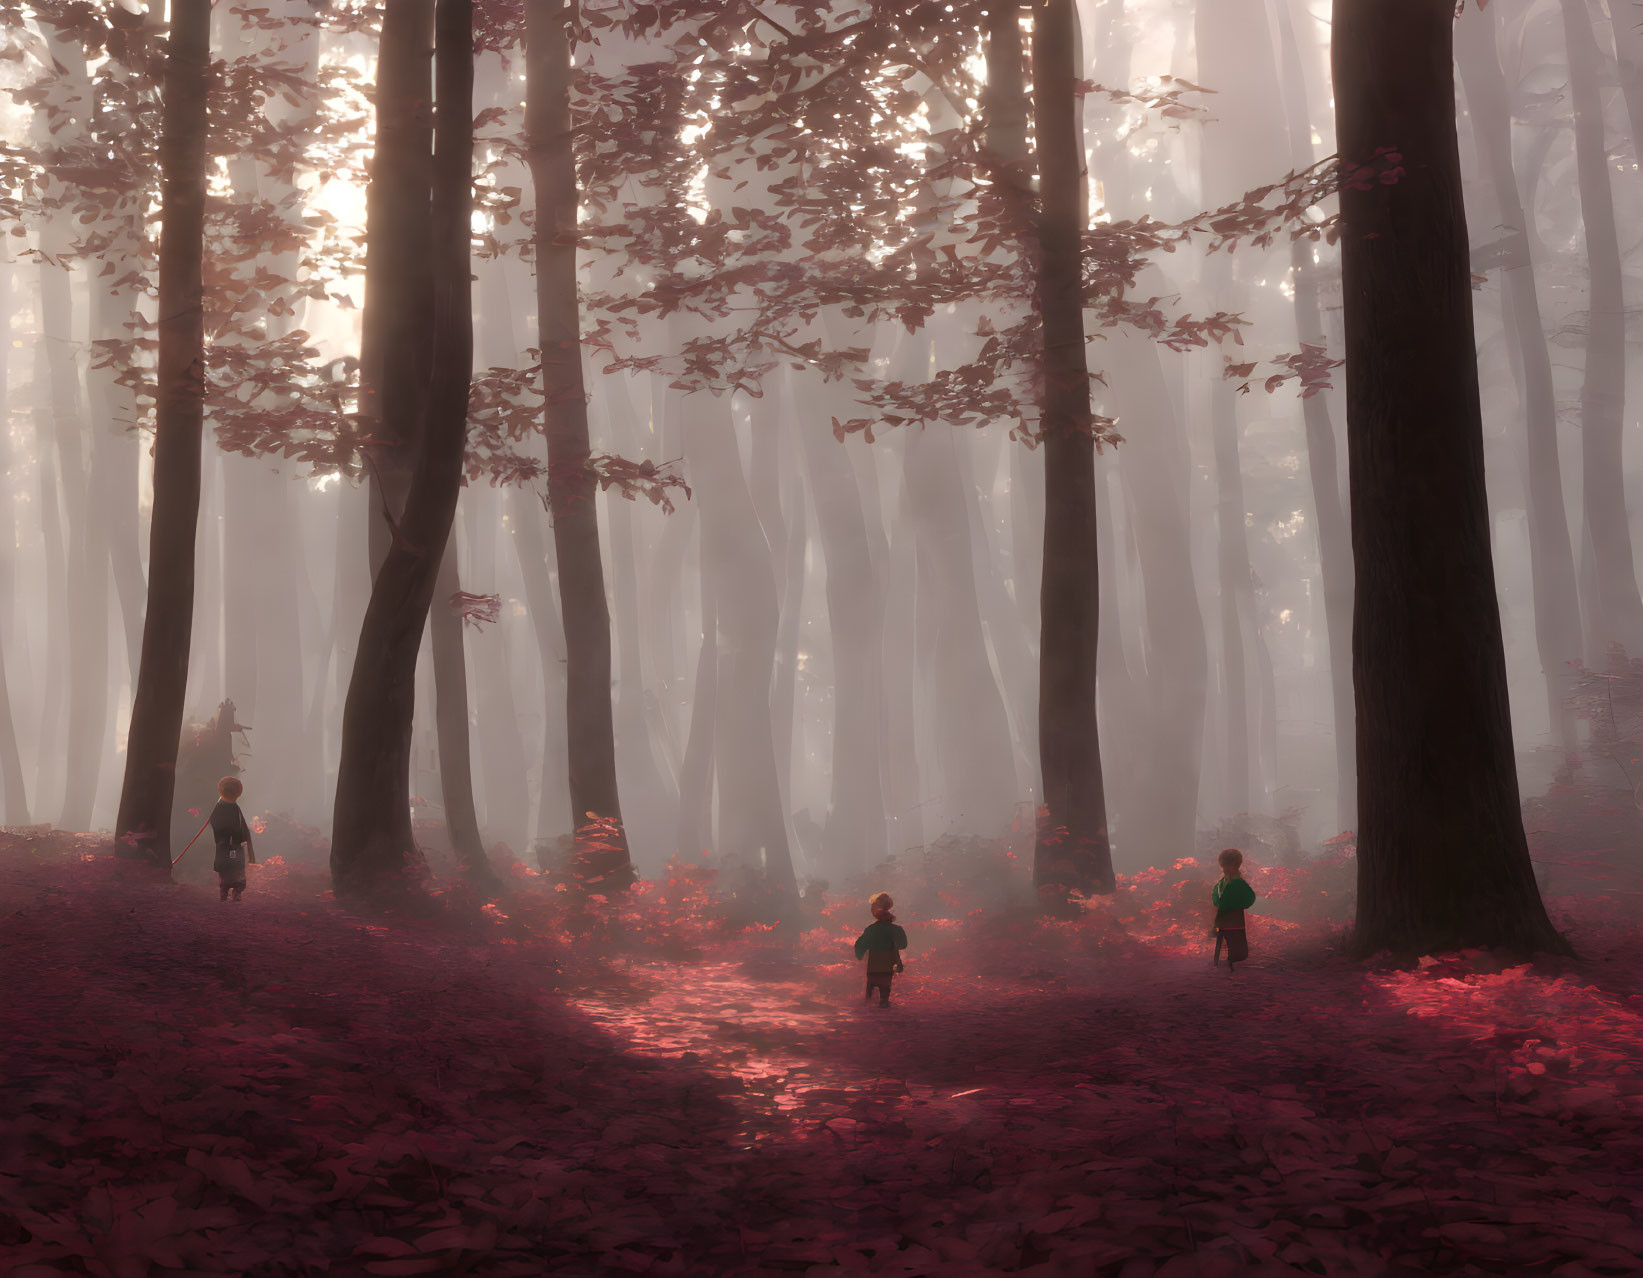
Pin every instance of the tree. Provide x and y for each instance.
(1614, 608)
(143, 826)
(1072, 848)
(595, 805)
(1551, 556)
(1442, 859)
(373, 851)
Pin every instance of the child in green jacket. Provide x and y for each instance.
(1231, 896)
(881, 943)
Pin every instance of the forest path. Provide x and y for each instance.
(279, 1087)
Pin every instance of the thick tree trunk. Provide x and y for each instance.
(571, 486)
(395, 332)
(451, 719)
(1627, 22)
(1072, 849)
(1233, 563)
(143, 826)
(372, 849)
(1442, 860)
(1615, 615)
(1551, 554)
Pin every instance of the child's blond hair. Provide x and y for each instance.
(881, 905)
(230, 788)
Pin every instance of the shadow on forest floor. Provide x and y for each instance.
(277, 1087)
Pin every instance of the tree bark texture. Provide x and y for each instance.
(1072, 849)
(372, 849)
(1616, 614)
(571, 486)
(1442, 860)
(399, 262)
(143, 825)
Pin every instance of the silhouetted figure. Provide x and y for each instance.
(1231, 896)
(233, 836)
(882, 943)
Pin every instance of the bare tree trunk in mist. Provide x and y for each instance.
(87, 556)
(1323, 470)
(855, 833)
(1233, 563)
(451, 717)
(553, 815)
(653, 798)
(500, 744)
(1161, 813)
(695, 828)
(736, 563)
(16, 808)
(1072, 849)
(116, 460)
(770, 502)
(571, 487)
(1442, 860)
(143, 827)
(372, 848)
(1551, 555)
(49, 750)
(965, 707)
(1615, 615)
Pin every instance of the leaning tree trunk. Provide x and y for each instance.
(1551, 554)
(143, 826)
(1072, 849)
(595, 804)
(1616, 614)
(372, 847)
(1442, 859)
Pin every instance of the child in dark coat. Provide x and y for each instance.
(233, 838)
(1231, 896)
(881, 943)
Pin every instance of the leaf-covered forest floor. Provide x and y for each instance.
(279, 1087)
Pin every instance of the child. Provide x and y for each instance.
(882, 943)
(233, 837)
(1231, 896)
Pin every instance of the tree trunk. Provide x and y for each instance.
(1442, 860)
(1628, 46)
(855, 832)
(1161, 813)
(395, 332)
(451, 720)
(143, 826)
(1072, 850)
(553, 813)
(372, 849)
(16, 809)
(571, 486)
(695, 830)
(1616, 614)
(1551, 555)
